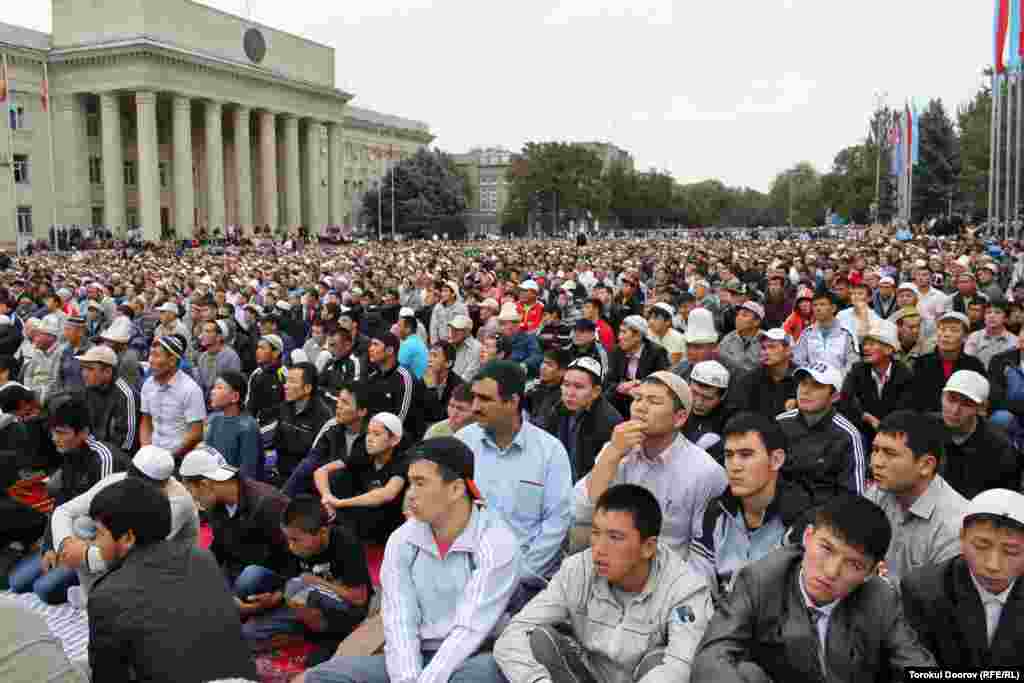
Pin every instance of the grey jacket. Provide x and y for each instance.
(441, 316)
(763, 632)
(672, 611)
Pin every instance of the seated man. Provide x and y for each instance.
(545, 393)
(232, 431)
(562, 634)
(299, 420)
(245, 517)
(755, 514)
(367, 494)
(709, 386)
(341, 439)
(923, 509)
(163, 612)
(447, 577)
(460, 413)
(85, 462)
(816, 612)
(969, 609)
(649, 449)
(328, 598)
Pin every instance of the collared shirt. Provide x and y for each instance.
(172, 407)
(684, 479)
(448, 603)
(926, 533)
(672, 341)
(933, 304)
(820, 616)
(985, 347)
(739, 352)
(634, 363)
(467, 359)
(530, 483)
(833, 345)
(993, 603)
(881, 379)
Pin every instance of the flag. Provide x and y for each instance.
(3, 80)
(915, 147)
(1013, 36)
(45, 95)
(1000, 29)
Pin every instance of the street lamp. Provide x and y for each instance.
(880, 100)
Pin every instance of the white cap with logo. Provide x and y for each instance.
(822, 373)
(968, 383)
(998, 503)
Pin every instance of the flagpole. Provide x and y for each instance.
(992, 125)
(8, 96)
(1008, 144)
(997, 103)
(49, 132)
(1018, 149)
(391, 158)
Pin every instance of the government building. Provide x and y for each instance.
(171, 117)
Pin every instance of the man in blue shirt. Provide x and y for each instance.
(412, 353)
(523, 472)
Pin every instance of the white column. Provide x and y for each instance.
(113, 164)
(314, 215)
(335, 175)
(149, 165)
(268, 174)
(214, 167)
(292, 194)
(184, 190)
(243, 169)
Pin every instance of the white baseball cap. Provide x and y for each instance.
(777, 334)
(885, 332)
(168, 307)
(589, 365)
(206, 462)
(406, 312)
(637, 323)
(99, 354)
(390, 421)
(711, 373)
(822, 373)
(154, 462)
(529, 284)
(958, 316)
(461, 322)
(755, 308)
(998, 503)
(968, 383)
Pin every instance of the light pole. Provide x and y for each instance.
(880, 101)
(789, 185)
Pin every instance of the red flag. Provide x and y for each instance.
(3, 81)
(1001, 28)
(46, 94)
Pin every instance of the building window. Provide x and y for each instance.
(131, 217)
(97, 215)
(24, 220)
(163, 174)
(96, 170)
(92, 125)
(129, 174)
(17, 117)
(21, 168)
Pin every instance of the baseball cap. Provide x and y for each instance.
(637, 323)
(887, 281)
(676, 384)
(711, 373)
(172, 345)
(13, 393)
(461, 322)
(885, 332)
(406, 312)
(998, 503)
(968, 383)
(449, 452)
(906, 312)
(589, 365)
(586, 325)
(529, 284)
(390, 421)
(908, 287)
(822, 373)
(958, 316)
(75, 321)
(283, 305)
(154, 462)
(664, 310)
(206, 462)
(49, 325)
(169, 307)
(755, 308)
(274, 341)
(387, 339)
(777, 334)
(99, 354)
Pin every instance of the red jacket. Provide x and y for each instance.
(531, 318)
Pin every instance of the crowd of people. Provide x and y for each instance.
(705, 459)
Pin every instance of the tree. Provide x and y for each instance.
(974, 124)
(553, 182)
(935, 174)
(796, 193)
(429, 196)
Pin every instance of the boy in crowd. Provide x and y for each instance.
(234, 433)
(329, 597)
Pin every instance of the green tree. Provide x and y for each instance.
(554, 182)
(974, 120)
(935, 174)
(797, 194)
(429, 196)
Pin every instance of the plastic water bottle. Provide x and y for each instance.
(270, 463)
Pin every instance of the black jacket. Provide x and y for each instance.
(897, 394)
(985, 461)
(165, 615)
(593, 430)
(942, 603)
(295, 431)
(1002, 364)
(265, 393)
(114, 414)
(762, 632)
(341, 371)
(756, 392)
(10, 339)
(929, 379)
(435, 406)
(253, 535)
(82, 469)
(652, 359)
(827, 458)
(540, 400)
(398, 391)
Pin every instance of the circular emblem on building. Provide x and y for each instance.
(254, 44)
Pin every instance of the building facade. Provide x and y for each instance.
(486, 169)
(172, 116)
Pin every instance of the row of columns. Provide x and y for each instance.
(301, 185)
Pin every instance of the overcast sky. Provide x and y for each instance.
(734, 90)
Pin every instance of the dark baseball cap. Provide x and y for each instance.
(451, 453)
(586, 325)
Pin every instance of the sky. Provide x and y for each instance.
(737, 91)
